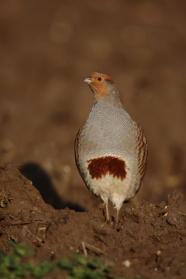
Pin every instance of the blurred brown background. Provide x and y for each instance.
(47, 48)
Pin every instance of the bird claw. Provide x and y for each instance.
(108, 221)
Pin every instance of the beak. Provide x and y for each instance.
(88, 80)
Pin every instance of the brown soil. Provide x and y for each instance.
(47, 48)
(152, 237)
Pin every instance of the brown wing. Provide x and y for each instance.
(76, 147)
(142, 151)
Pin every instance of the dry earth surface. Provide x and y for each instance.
(150, 237)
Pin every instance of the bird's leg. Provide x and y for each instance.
(107, 213)
(117, 219)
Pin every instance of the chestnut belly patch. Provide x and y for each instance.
(101, 166)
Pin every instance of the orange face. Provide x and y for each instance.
(98, 83)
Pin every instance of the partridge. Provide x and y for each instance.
(110, 148)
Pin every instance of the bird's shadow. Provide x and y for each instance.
(43, 183)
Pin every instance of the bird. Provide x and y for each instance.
(110, 148)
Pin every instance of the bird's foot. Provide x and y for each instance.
(108, 221)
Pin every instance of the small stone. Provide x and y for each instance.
(127, 263)
(158, 252)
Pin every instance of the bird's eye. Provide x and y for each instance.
(99, 79)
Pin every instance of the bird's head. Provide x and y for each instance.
(100, 84)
